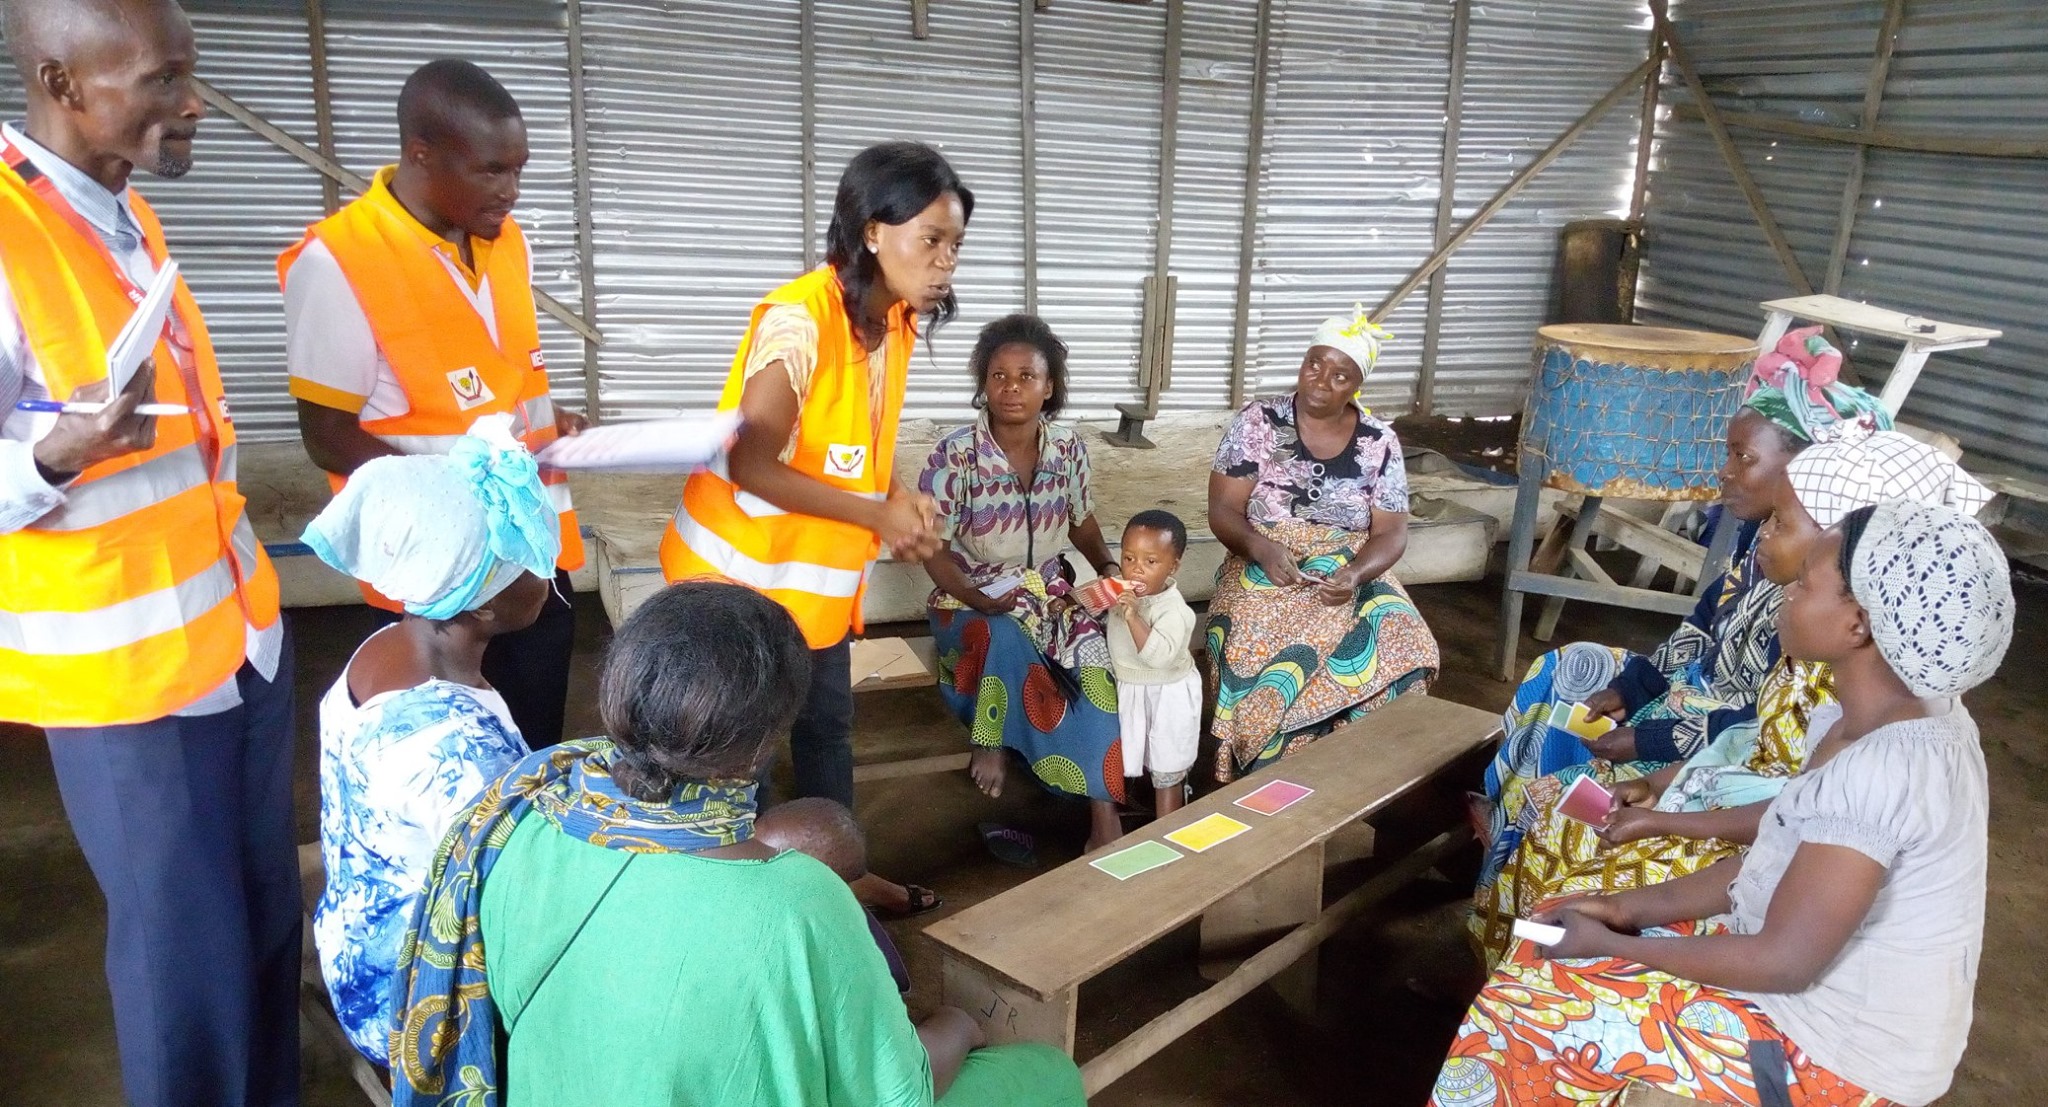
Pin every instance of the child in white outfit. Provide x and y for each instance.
(1151, 630)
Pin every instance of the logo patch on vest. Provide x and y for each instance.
(846, 462)
(539, 362)
(470, 389)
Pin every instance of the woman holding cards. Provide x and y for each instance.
(1308, 627)
(1842, 954)
(1022, 665)
(1706, 677)
(1684, 817)
(809, 497)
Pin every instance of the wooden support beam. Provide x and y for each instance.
(920, 19)
(1873, 102)
(1919, 142)
(586, 224)
(320, 163)
(1446, 197)
(1514, 186)
(1646, 135)
(1758, 206)
(323, 98)
(1027, 100)
(807, 124)
(1169, 162)
(1248, 215)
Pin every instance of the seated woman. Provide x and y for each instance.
(1845, 969)
(605, 912)
(1709, 674)
(1308, 628)
(1684, 817)
(412, 732)
(1022, 665)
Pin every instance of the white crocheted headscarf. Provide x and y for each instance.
(1938, 594)
(1835, 478)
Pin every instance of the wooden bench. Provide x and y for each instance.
(1017, 962)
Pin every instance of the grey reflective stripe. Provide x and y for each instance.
(539, 412)
(73, 633)
(242, 540)
(558, 495)
(101, 501)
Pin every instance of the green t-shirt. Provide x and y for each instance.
(700, 982)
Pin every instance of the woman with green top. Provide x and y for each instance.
(603, 927)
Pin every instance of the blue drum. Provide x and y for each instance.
(1637, 413)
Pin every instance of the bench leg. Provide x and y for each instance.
(1553, 606)
(1521, 542)
(1006, 1013)
(1246, 920)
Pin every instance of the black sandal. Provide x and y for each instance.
(922, 899)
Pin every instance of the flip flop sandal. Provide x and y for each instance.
(1009, 845)
(922, 899)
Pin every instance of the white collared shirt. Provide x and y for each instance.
(24, 495)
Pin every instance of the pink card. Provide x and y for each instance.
(1587, 802)
(1274, 797)
(1100, 594)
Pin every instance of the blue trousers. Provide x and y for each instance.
(187, 824)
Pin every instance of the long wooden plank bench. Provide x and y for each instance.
(1017, 961)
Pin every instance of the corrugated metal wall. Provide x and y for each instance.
(695, 129)
(1944, 236)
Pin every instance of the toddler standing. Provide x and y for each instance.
(1151, 629)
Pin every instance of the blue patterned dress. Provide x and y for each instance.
(1037, 680)
(394, 774)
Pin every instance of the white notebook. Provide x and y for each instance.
(678, 445)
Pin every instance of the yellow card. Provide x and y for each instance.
(1203, 833)
(1576, 719)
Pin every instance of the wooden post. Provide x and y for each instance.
(807, 123)
(586, 227)
(1508, 191)
(920, 19)
(1027, 100)
(1873, 102)
(1169, 159)
(1758, 206)
(1248, 225)
(323, 99)
(1646, 135)
(1454, 114)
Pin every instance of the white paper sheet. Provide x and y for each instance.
(139, 335)
(678, 445)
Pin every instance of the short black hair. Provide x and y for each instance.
(819, 828)
(1167, 523)
(887, 183)
(698, 683)
(1853, 525)
(1031, 331)
(440, 91)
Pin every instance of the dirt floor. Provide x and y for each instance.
(1374, 1041)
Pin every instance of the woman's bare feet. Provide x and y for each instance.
(988, 767)
(1104, 826)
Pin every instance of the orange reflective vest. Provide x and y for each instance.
(817, 568)
(436, 343)
(130, 600)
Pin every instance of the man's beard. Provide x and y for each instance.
(170, 167)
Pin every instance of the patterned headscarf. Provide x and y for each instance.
(1835, 478)
(443, 534)
(444, 1049)
(1796, 387)
(1938, 593)
(1357, 338)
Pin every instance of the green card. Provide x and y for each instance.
(1143, 857)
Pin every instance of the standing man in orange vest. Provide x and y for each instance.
(138, 616)
(409, 314)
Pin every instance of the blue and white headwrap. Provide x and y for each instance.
(443, 534)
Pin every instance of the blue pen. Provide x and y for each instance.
(54, 407)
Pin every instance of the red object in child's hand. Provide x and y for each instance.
(1099, 595)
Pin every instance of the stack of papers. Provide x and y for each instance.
(683, 444)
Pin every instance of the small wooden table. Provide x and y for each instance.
(1017, 962)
